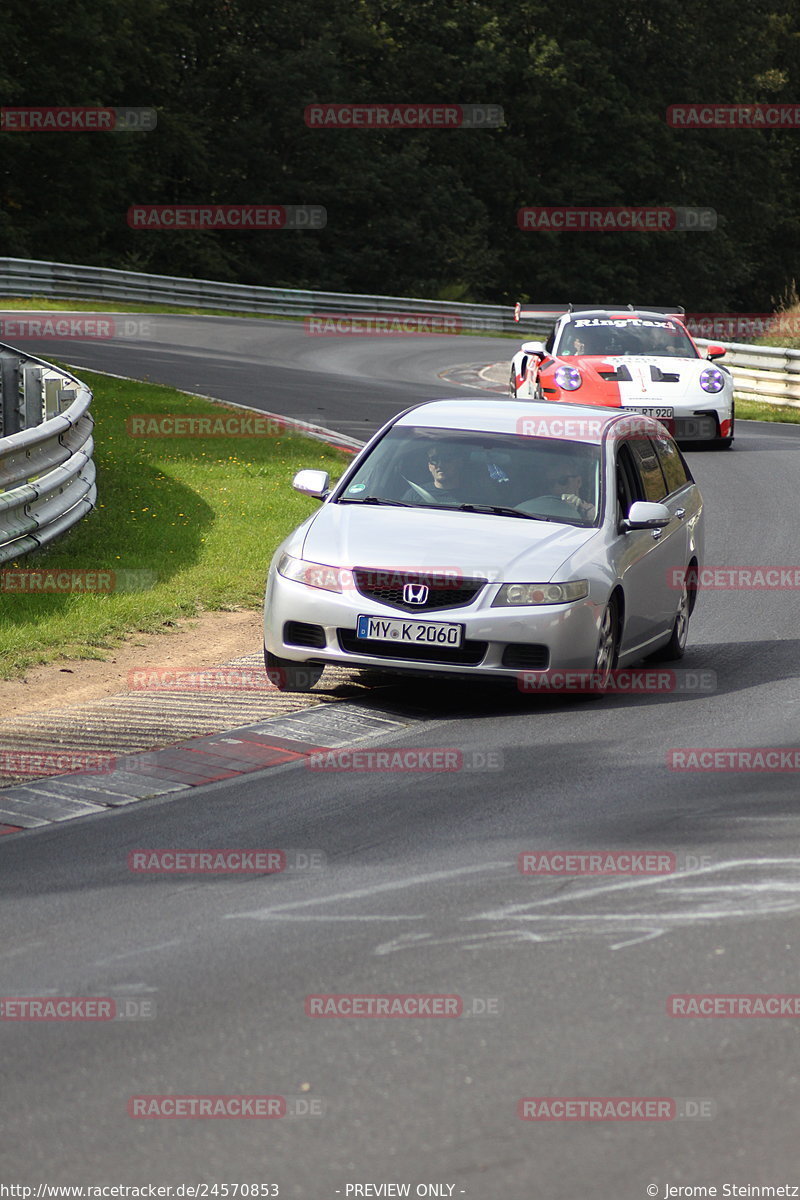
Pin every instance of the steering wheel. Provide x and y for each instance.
(548, 506)
(421, 491)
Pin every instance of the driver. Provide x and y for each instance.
(577, 344)
(449, 476)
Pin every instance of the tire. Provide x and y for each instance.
(607, 653)
(512, 385)
(676, 646)
(725, 443)
(289, 676)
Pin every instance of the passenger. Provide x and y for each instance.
(565, 481)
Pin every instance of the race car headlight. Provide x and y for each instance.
(712, 380)
(568, 378)
(512, 594)
(316, 575)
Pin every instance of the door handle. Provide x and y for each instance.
(680, 513)
(657, 534)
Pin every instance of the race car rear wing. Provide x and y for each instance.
(543, 311)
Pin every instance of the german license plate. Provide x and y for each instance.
(661, 414)
(410, 633)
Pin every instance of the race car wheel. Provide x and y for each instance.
(512, 385)
(289, 676)
(726, 442)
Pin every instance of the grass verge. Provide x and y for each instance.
(184, 523)
(755, 410)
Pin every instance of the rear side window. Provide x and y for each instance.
(650, 473)
(672, 463)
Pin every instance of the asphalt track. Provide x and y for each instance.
(420, 893)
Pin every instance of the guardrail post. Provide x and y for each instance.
(33, 388)
(12, 396)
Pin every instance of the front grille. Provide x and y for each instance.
(522, 656)
(468, 655)
(298, 633)
(443, 592)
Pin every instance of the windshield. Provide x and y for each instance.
(501, 474)
(625, 335)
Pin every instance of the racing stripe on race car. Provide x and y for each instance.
(638, 390)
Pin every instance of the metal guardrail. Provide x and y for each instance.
(47, 476)
(33, 277)
(765, 373)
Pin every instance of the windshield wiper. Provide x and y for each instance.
(377, 500)
(501, 511)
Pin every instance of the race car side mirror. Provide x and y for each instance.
(715, 351)
(536, 348)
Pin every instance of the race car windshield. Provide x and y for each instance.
(499, 475)
(607, 336)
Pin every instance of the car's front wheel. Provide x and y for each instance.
(607, 653)
(289, 676)
(512, 385)
(676, 645)
(725, 443)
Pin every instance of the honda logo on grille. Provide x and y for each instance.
(415, 593)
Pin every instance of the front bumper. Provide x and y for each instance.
(497, 641)
(701, 418)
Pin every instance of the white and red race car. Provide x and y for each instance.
(643, 360)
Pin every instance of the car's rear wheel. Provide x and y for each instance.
(289, 676)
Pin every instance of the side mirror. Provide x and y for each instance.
(536, 348)
(312, 483)
(715, 351)
(644, 515)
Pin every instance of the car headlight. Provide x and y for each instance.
(568, 378)
(316, 575)
(512, 594)
(712, 380)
